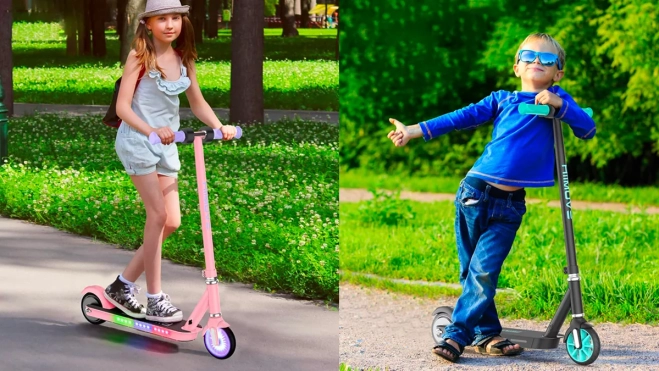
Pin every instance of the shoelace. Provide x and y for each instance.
(165, 305)
(131, 291)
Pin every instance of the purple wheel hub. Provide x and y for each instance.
(224, 347)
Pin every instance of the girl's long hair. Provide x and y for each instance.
(184, 46)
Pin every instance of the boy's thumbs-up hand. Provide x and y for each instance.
(401, 135)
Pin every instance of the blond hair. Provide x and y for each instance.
(547, 38)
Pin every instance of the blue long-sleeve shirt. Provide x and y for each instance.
(521, 152)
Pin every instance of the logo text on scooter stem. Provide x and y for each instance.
(566, 190)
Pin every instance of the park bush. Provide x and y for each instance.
(273, 196)
(419, 59)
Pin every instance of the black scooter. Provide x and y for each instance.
(582, 342)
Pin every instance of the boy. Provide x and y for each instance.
(490, 200)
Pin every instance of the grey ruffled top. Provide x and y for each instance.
(156, 100)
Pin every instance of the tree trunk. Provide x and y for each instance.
(121, 18)
(19, 6)
(198, 13)
(98, 13)
(288, 18)
(70, 29)
(247, 62)
(306, 7)
(213, 13)
(6, 62)
(84, 27)
(133, 9)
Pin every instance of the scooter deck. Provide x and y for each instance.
(172, 330)
(531, 339)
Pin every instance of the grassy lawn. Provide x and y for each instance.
(617, 255)
(273, 196)
(299, 73)
(638, 196)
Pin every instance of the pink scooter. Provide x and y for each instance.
(218, 337)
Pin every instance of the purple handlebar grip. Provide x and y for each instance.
(218, 133)
(179, 136)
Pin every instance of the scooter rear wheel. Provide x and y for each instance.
(226, 343)
(590, 347)
(87, 300)
(440, 321)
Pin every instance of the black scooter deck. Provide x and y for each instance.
(530, 339)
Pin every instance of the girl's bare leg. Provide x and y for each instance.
(168, 187)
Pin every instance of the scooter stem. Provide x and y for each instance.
(566, 213)
(204, 209)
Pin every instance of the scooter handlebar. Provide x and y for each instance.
(180, 136)
(543, 109)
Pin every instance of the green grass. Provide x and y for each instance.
(273, 196)
(285, 85)
(638, 196)
(617, 255)
(345, 367)
(299, 73)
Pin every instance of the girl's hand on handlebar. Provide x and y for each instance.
(166, 135)
(401, 135)
(228, 132)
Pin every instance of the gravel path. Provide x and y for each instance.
(392, 332)
(356, 195)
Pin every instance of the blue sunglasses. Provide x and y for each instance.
(545, 58)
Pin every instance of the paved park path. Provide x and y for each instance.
(22, 109)
(43, 270)
(358, 194)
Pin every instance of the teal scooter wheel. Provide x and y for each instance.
(590, 347)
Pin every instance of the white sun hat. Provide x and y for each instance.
(158, 7)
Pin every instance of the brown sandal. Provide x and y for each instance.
(497, 348)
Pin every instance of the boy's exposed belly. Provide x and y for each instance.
(504, 187)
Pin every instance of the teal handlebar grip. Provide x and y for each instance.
(543, 109)
(533, 109)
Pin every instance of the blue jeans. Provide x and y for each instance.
(485, 229)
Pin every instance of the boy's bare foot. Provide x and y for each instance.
(499, 346)
(443, 350)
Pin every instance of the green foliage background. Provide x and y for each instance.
(415, 60)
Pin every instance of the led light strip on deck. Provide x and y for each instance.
(139, 325)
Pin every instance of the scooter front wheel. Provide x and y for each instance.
(89, 299)
(588, 351)
(226, 343)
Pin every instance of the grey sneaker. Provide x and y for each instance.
(123, 297)
(162, 310)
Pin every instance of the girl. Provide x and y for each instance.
(153, 107)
